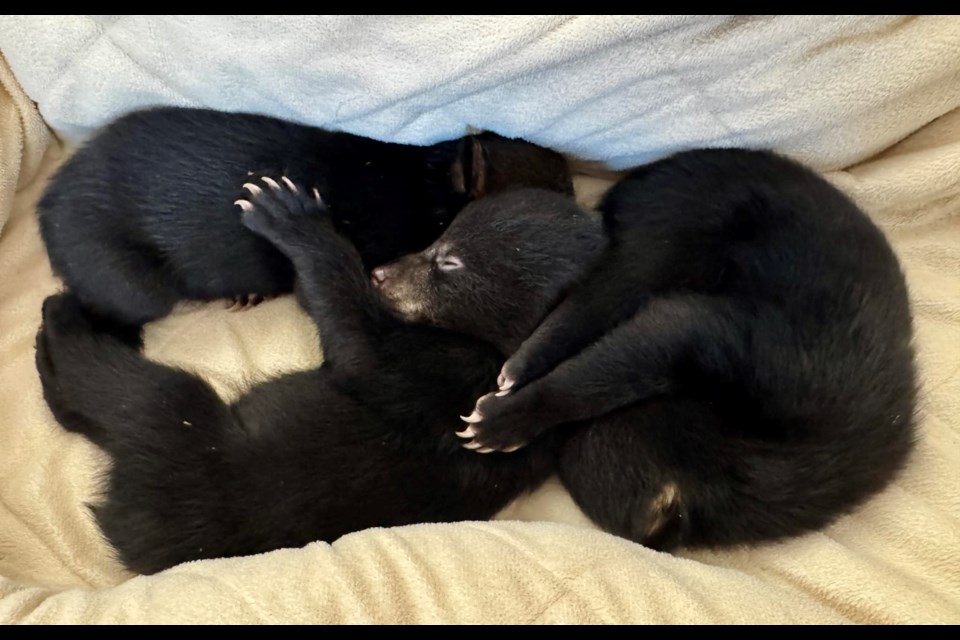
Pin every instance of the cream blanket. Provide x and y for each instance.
(895, 560)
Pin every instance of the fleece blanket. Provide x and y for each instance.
(829, 90)
(879, 92)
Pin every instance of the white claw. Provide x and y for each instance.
(289, 184)
(466, 433)
(243, 204)
(270, 181)
(473, 418)
(472, 445)
(252, 188)
(485, 450)
(500, 394)
(316, 196)
(513, 448)
(507, 384)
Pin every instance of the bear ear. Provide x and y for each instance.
(468, 174)
(461, 166)
(479, 168)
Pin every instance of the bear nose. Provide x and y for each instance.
(377, 276)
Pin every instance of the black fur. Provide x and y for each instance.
(142, 215)
(363, 441)
(737, 368)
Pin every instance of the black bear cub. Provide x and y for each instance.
(363, 441)
(142, 216)
(738, 367)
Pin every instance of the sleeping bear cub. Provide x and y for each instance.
(142, 216)
(737, 368)
(363, 441)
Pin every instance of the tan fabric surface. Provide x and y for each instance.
(896, 560)
(23, 141)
